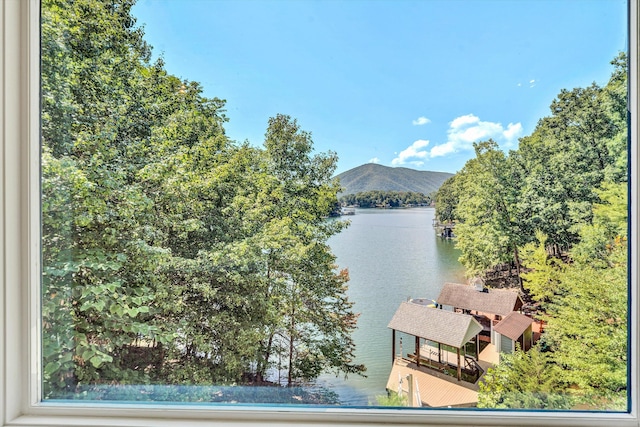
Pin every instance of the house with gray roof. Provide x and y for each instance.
(514, 328)
(442, 349)
(495, 303)
(438, 326)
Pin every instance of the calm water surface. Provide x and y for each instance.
(391, 255)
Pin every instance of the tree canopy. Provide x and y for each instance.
(548, 184)
(556, 208)
(172, 254)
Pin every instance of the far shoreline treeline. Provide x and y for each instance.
(385, 199)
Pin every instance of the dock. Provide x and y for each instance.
(433, 389)
(445, 230)
(436, 389)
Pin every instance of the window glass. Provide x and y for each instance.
(363, 203)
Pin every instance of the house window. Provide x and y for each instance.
(22, 353)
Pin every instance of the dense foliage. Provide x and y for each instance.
(385, 199)
(170, 253)
(525, 381)
(556, 208)
(549, 184)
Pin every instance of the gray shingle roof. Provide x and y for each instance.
(513, 326)
(443, 326)
(494, 301)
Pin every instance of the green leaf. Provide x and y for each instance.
(96, 361)
(51, 368)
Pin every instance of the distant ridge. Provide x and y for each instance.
(372, 176)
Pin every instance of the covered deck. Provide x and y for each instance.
(453, 330)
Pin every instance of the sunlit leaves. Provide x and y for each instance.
(558, 202)
(483, 198)
(525, 380)
(587, 326)
(170, 253)
(541, 278)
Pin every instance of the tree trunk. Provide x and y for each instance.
(262, 365)
(291, 332)
(517, 260)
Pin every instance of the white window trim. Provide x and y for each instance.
(19, 273)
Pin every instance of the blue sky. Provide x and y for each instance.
(400, 83)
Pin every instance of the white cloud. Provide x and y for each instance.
(463, 120)
(465, 130)
(512, 132)
(444, 149)
(415, 154)
(374, 160)
(532, 83)
(421, 121)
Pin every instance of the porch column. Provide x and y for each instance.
(459, 367)
(418, 351)
(531, 343)
(393, 346)
(477, 347)
(439, 353)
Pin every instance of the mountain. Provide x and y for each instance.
(377, 177)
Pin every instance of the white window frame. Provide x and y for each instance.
(20, 266)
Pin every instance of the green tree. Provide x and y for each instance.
(541, 280)
(312, 316)
(587, 329)
(585, 303)
(98, 265)
(447, 200)
(490, 231)
(609, 222)
(170, 253)
(524, 380)
(396, 199)
(569, 155)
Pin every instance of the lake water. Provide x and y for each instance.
(391, 255)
